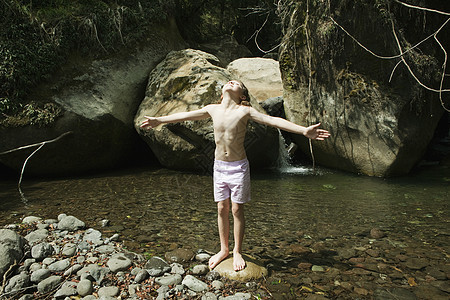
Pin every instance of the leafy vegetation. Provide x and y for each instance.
(37, 36)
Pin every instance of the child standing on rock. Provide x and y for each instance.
(231, 168)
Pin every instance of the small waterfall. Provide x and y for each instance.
(284, 162)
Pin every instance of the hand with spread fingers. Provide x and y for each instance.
(314, 133)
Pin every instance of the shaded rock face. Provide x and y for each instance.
(99, 100)
(188, 80)
(378, 128)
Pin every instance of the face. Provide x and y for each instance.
(233, 85)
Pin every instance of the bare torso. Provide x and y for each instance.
(230, 126)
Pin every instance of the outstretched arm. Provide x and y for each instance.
(174, 118)
(311, 132)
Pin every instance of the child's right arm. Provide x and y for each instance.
(152, 122)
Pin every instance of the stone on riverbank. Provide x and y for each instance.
(250, 272)
(11, 245)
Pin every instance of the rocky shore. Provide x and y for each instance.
(60, 259)
(63, 259)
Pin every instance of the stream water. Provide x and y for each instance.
(155, 210)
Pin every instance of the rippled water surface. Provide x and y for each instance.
(158, 209)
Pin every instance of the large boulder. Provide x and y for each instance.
(99, 99)
(188, 80)
(11, 249)
(260, 75)
(378, 127)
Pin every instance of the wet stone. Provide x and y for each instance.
(179, 256)
(394, 293)
(416, 263)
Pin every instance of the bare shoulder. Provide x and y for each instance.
(211, 107)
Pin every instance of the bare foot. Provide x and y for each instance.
(217, 258)
(238, 262)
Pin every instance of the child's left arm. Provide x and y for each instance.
(311, 132)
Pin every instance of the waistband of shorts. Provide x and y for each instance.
(230, 163)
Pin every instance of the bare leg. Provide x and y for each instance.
(223, 222)
(239, 228)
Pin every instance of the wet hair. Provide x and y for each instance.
(245, 102)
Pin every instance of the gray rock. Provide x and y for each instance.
(105, 249)
(31, 219)
(36, 236)
(177, 269)
(93, 236)
(69, 249)
(119, 262)
(200, 270)
(17, 282)
(217, 284)
(202, 257)
(238, 296)
(39, 275)
(171, 279)
(209, 296)
(61, 216)
(84, 246)
(70, 223)
(11, 249)
(132, 288)
(35, 267)
(41, 251)
(59, 266)
(108, 291)
(50, 221)
(73, 269)
(65, 291)
(212, 275)
(194, 284)
(49, 284)
(114, 237)
(48, 260)
(85, 287)
(27, 297)
(98, 273)
(141, 276)
(156, 263)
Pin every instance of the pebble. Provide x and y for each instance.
(49, 284)
(171, 279)
(119, 262)
(108, 291)
(39, 275)
(194, 284)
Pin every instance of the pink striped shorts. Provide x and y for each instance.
(232, 180)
